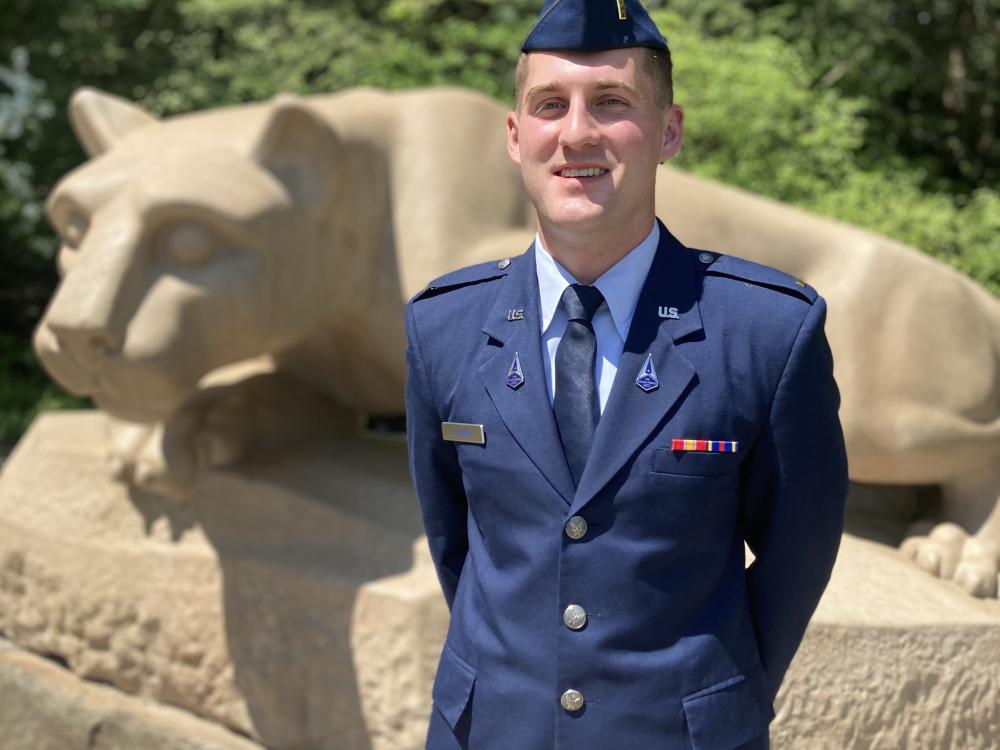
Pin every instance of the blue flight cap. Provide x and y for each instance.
(593, 25)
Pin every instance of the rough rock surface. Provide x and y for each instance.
(45, 707)
(893, 658)
(292, 599)
(280, 599)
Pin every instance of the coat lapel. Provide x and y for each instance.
(526, 410)
(631, 414)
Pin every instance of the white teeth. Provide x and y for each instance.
(588, 172)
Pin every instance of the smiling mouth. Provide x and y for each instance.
(588, 172)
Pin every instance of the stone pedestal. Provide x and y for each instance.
(46, 707)
(291, 599)
(893, 658)
(282, 599)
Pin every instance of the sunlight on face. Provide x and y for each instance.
(588, 137)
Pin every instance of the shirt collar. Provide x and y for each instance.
(620, 284)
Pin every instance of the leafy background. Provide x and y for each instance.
(880, 113)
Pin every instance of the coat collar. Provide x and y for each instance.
(631, 414)
(620, 284)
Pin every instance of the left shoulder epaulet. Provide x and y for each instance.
(717, 264)
(463, 277)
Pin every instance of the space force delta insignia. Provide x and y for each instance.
(646, 379)
(704, 446)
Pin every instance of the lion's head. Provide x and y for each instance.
(186, 244)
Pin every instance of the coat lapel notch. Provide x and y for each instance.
(526, 410)
(631, 414)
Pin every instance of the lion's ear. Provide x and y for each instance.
(302, 151)
(100, 119)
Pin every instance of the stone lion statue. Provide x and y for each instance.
(204, 253)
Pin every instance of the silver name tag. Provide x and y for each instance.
(460, 432)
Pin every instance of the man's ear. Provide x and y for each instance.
(513, 142)
(673, 133)
(302, 151)
(100, 120)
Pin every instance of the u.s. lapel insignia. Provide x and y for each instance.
(515, 378)
(669, 313)
(646, 379)
(515, 314)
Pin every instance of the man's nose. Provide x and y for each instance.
(579, 127)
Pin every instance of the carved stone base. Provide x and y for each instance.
(282, 598)
(46, 707)
(893, 658)
(292, 599)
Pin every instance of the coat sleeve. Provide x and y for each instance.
(793, 498)
(435, 470)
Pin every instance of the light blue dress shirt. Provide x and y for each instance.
(620, 286)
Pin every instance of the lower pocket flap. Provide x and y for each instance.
(452, 686)
(724, 716)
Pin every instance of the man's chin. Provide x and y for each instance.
(578, 219)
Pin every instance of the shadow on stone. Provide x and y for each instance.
(884, 512)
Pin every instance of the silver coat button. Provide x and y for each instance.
(706, 257)
(576, 527)
(503, 263)
(572, 700)
(575, 616)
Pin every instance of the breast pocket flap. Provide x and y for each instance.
(694, 463)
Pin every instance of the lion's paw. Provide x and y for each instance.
(167, 458)
(950, 552)
(152, 458)
(979, 570)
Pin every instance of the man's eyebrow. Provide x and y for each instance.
(615, 83)
(602, 85)
(542, 88)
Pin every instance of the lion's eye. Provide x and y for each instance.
(74, 230)
(188, 243)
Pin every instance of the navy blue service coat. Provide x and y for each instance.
(682, 647)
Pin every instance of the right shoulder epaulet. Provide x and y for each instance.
(468, 276)
(754, 273)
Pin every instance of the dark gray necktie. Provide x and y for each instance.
(575, 402)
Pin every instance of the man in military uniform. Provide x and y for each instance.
(598, 425)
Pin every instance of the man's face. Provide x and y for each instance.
(588, 136)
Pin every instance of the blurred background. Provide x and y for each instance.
(881, 113)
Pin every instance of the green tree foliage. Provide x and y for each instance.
(929, 70)
(56, 47)
(757, 118)
(882, 113)
(754, 121)
(24, 109)
(245, 50)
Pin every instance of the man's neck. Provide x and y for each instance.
(588, 254)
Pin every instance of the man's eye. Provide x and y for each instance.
(613, 101)
(550, 105)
